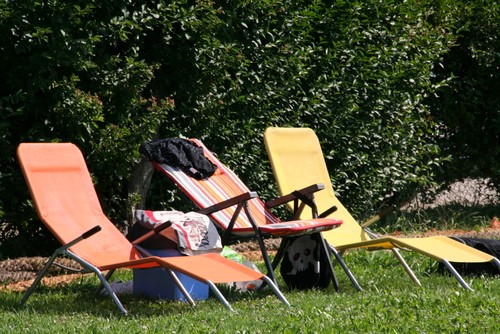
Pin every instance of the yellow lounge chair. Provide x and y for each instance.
(297, 161)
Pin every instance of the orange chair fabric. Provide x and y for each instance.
(66, 201)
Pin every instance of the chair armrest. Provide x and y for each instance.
(240, 201)
(91, 232)
(85, 235)
(151, 233)
(297, 194)
(229, 202)
(328, 212)
(379, 215)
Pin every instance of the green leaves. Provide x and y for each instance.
(468, 105)
(362, 74)
(344, 70)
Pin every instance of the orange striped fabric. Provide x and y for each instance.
(223, 185)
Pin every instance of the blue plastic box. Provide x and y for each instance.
(156, 282)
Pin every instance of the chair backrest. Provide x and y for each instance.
(66, 201)
(297, 162)
(222, 185)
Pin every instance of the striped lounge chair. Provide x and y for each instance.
(240, 214)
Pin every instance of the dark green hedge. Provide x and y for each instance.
(468, 106)
(110, 75)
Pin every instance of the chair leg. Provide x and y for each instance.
(63, 251)
(273, 286)
(107, 278)
(39, 277)
(219, 295)
(179, 285)
(267, 281)
(172, 275)
(496, 262)
(348, 272)
(262, 246)
(265, 256)
(325, 250)
(102, 278)
(281, 252)
(455, 273)
(110, 292)
(405, 265)
(109, 274)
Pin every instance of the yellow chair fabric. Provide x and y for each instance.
(297, 161)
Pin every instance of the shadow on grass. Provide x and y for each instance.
(377, 272)
(82, 298)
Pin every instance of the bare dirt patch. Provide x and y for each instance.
(48, 281)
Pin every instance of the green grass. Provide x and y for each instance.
(390, 303)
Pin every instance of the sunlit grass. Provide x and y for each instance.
(390, 303)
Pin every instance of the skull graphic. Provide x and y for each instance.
(301, 254)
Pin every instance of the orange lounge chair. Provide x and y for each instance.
(65, 199)
(297, 161)
(241, 214)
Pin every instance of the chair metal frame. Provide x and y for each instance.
(288, 143)
(72, 230)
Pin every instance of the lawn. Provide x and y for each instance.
(390, 303)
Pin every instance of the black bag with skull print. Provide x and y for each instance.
(304, 264)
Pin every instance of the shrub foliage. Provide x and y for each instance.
(110, 75)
